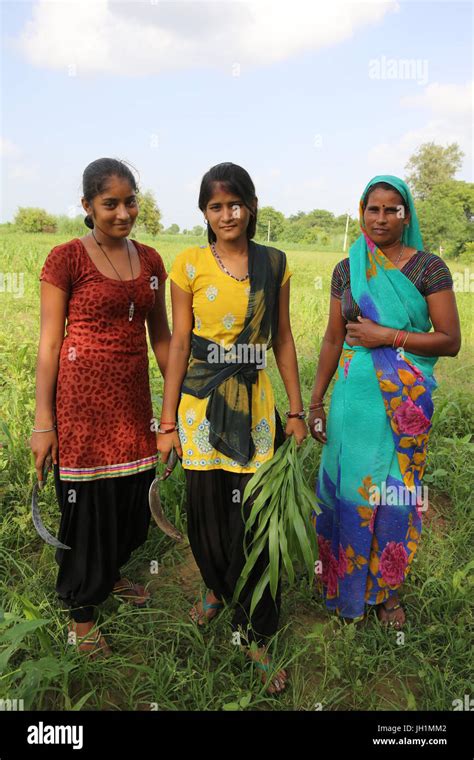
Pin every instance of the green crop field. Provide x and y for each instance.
(161, 660)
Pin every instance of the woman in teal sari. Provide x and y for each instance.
(384, 300)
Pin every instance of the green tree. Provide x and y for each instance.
(432, 165)
(267, 215)
(197, 230)
(446, 217)
(30, 219)
(173, 229)
(320, 218)
(353, 231)
(149, 214)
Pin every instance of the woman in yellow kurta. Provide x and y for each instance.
(230, 302)
(219, 310)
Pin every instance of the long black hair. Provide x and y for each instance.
(235, 180)
(96, 175)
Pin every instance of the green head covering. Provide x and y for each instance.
(411, 232)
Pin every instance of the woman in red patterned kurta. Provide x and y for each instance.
(94, 413)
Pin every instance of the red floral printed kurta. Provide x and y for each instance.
(103, 405)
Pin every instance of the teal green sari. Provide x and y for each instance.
(370, 480)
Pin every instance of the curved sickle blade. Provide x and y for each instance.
(35, 513)
(155, 501)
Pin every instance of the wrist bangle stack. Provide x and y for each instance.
(400, 339)
(296, 415)
(44, 430)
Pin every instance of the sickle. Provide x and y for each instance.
(35, 513)
(155, 501)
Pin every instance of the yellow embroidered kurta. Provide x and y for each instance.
(219, 309)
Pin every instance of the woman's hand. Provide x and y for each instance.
(317, 425)
(296, 427)
(42, 444)
(165, 442)
(367, 333)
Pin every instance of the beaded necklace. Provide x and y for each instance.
(223, 266)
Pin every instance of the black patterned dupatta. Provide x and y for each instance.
(228, 384)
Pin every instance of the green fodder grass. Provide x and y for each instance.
(160, 659)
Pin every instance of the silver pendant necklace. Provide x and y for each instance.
(131, 306)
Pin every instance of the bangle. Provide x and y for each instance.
(296, 415)
(395, 339)
(406, 338)
(162, 422)
(399, 341)
(316, 406)
(164, 432)
(44, 430)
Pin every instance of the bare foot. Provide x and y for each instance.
(264, 663)
(391, 613)
(134, 593)
(87, 638)
(202, 613)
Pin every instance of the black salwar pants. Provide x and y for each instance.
(103, 521)
(216, 535)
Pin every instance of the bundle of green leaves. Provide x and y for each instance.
(279, 521)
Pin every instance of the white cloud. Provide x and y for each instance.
(8, 149)
(16, 166)
(449, 108)
(449, 100)
(143, 38)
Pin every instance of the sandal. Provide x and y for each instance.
(201, 616)
(273, 687)
(131, 592)
(93, 643)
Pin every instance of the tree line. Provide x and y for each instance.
(445, 208)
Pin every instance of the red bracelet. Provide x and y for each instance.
(399, 339)
(296, 415)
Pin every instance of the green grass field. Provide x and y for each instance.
(161, 660)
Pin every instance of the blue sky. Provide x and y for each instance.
(298, 93)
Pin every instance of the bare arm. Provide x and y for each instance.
(178, 357)
(158, 329)
(330, 352)
(285, 352)
(328, 360)
(285, 356)
(445, 340)
(53, 317)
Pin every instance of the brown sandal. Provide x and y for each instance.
(93, 643)
(130, 592)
